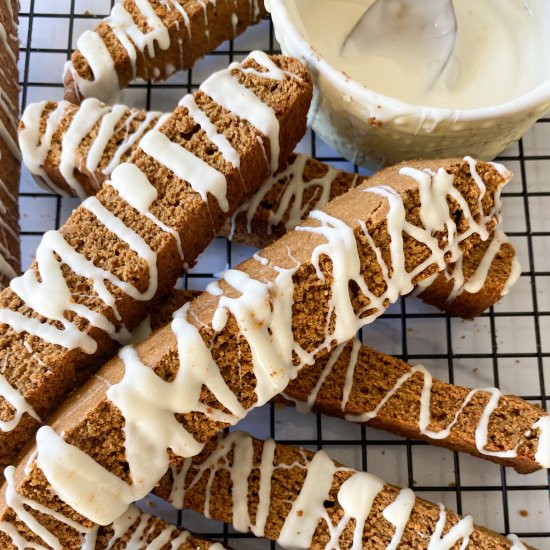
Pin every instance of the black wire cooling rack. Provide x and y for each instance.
(509, 346)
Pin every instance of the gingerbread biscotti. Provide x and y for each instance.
(465, 289)
(152, 39)
(9, 151)
(477, 280)
(305, 500)
(96, 278)
(362, 385)
(237, 345)
(133, 530)
(73, 149)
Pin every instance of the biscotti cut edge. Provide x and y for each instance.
(136, 241)
(152, 44)
(291, 271)
(304, 499)
(10, 254)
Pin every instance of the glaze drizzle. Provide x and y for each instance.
(122, 527)
(355, 496)
(482, 431)
(264, 316)
(45, 289)
(139, 46)
(110, 121)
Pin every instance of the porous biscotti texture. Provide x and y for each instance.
(91, 422)
(43, 372)
(227, 482)
(366, 386)
(502, 272)
(76, 167)
(386, 393)
(283, 201)
(9, 154)
(142, 531)
(190, 29)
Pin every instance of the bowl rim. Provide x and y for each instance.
(381, 102)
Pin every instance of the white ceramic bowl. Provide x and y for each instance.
(372, 129)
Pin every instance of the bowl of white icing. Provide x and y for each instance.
(378, 111)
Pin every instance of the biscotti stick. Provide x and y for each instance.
(305, 500)
(133, 530)
(362, 385)
(476, 281)
(9, 152)
(465, 289)
(238, 345)
(482, 276)
(96, 278)
(365, 386)
(152, 40)
(73, 149)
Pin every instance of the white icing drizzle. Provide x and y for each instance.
(398, 513)
(36, 146)
(219, 140)
(225, 89)
(84, 120)
(301, 522)
(476, 281)
(516, 543)
(134, 187)
(46, 290)
(105, 84)
(482, 429)
(131, 139)
(105, 132)
(270, 336)
(199, 174)
(19, 505)
(290, 202)
(263, 315)
(137, 44)
(542, 455)
(14, 397)
(120, 526)
(356, 496)
(460, 531)
(51, 296)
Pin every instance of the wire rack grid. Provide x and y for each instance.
(506, 346)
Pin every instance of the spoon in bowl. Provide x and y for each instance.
(421, 33)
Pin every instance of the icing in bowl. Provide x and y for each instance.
(371, 128)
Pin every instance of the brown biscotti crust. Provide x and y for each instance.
(82, 169)
(375, 375)
(133, 530)
(502, 272)
(44, 372)
(92, 423)
(286, 198)
(222, 480)
(9, 154)
(320, 388)
(209, 24)
(147, 530)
